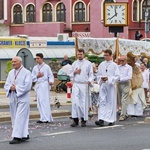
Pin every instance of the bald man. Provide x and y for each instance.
(17, 86)
(66, 61)
(124, 85)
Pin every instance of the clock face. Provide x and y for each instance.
(115, 14)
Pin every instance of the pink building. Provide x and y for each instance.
(50, 17)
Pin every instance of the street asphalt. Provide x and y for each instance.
(132, 134)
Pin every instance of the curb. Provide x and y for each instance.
(147, 120)
(3, 106)
(2, 93)
(34, 114)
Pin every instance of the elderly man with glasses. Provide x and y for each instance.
(124, 85)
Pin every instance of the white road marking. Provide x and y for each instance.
(107, 127)
(59, 133)
(140, 122)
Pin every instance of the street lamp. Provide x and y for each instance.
(140, 13)
(146, 23)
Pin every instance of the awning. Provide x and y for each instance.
(49, 52)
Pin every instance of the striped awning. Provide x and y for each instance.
(48, 52)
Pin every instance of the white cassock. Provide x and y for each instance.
(145, 75)
(42, 90)
(136, 102)
(107, 96)
(80, 89)
(19, 100)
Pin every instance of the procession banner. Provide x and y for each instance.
(97, 45)
(134, 46)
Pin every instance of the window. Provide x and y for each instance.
(79, 12)
(145, 5)
(30, 13)
(17, 14)
(47, 13)
(109, 1)
(135, 10)
(1, 10)
(61, 12)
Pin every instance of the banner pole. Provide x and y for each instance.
(76, 46)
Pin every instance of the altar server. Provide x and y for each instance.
(43, 76)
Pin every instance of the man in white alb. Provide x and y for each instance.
(107, 76)
(81, 74)
(43, 76)
(17, 86)
(124, 85)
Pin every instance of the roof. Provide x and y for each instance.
(48, 52)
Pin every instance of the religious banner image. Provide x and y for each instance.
(97, 45)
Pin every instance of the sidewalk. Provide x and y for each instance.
(62, 98)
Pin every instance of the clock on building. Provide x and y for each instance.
(116, 14)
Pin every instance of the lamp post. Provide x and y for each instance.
(140, 13)
(146, 23)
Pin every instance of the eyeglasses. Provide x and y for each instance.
(96, 66)
(121, 60)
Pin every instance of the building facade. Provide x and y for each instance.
(1, 10)
(82, 17)
(137, 17)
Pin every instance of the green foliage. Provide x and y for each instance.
(72, 58)
(95, 59)
(54, 59)
(148, 64)
(92, 58)
(8, 67)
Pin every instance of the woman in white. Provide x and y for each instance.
(145, 74)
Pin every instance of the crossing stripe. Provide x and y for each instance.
(59, 133)
(107, 127)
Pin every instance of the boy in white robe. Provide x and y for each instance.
(43, 76)
(17, 86)
(108, 75)
(81, 75)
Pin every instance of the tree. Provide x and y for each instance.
(8, 67)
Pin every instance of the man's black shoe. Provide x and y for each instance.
(99, 123)
(75, 122)
(39, 121)
(83, 123)
(26, 138)
(15, 141)
(111, 124)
